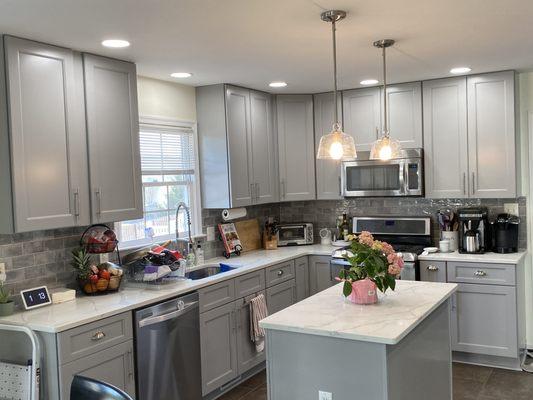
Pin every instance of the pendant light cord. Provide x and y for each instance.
(336, 111)
(385, 117)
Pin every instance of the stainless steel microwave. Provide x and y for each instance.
(401, 176)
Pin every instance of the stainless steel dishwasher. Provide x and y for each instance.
(168, 350)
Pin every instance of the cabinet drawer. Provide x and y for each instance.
(433, 271)
(279, 273)
(90, 338)
(216, 295)
(487, 274)
(249, 283)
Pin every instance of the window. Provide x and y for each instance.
(169, 170)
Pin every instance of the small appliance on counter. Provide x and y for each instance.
(295, 234)
(505, 233)
(474, 230)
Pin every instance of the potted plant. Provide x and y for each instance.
(374, 265)
(7, 306)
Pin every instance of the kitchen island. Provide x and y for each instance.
(399, 348)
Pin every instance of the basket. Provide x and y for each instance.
(99, 239)
(103, 285)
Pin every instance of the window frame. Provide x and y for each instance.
(169, 124)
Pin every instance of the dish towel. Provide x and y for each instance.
(258, 311)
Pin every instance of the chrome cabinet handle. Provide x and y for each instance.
(130, 365)
(480, 273)
(432, 268)
(252, 197)
(464, 183)
(340, 187)
(282, 188)
(76, 202)
(280, 272)
(473, 183)
(98, 196)
(234, 321)
(257, 191)
(98, 336)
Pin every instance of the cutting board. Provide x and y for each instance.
(249, 234)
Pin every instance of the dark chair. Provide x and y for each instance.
(84, 388)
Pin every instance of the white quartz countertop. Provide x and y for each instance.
(85, 309)
(493, 258)
(396, 314)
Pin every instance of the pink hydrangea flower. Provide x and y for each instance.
(394, 269)
(387, 248)
(366, 238)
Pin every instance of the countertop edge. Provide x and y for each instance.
(489, 258)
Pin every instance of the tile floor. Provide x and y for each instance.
(470, 382)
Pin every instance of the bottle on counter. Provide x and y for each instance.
(199, 255)
(345, 227)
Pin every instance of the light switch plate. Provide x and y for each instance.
(210, 233)
(325, 395)
(511, 208)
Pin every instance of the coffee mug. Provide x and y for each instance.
(444, 246)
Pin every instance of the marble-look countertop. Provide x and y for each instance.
(493, 258)
(84, 309)
(396, 314)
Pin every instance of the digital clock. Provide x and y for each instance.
(35, 297)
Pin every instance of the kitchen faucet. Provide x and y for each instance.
(189, 242)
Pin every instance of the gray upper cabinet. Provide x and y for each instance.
(362, 115)
(491, 135)
(113, 137)
(237, 147)
(405, 113)
(328, 172)
(296, 147)
(48, 185)
(445, 138)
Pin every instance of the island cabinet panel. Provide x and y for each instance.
(48, 186)
(113, 137)
(484, 320)
(247, 354)
(281, 296)
(114, 366)
(328, 172)
(319, 274)
(302, 278)
(433, 271)
(296, 148)
(218, 338)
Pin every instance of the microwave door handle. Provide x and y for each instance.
(402, 178)
(406, 177)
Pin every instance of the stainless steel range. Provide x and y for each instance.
(408, 236)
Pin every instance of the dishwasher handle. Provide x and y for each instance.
(171, 315)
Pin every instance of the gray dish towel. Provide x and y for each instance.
(258, 311)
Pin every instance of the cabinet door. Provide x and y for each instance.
(263, 152)
(301, 269)
(247, 355)
(113, 134)
(328, 172)
(218, 338)
(319, 273)
(445, 138)
(491, 135)
(239, 145)
(114, 366)
(484, 320)
(296, 147)
(281, 296)
(433, 271)
(47, 134)
(362, 116)
(405, 113)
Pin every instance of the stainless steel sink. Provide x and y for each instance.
(207, 271)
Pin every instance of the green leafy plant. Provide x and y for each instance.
(371, 259)
(81, 262)
(4, 294)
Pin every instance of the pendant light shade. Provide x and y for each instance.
(385, 148)
(335, 145)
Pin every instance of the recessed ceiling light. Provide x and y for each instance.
(369, 82)
(116, 43)
(181, 75)
(277, 84)
(460, 70)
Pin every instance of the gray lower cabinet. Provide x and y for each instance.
(319, 274)
(433, 271)
(281, 296)
(247, 355)
(484, 320)
(114, 366)
(113, 137)
(301, 270)
(218, 339)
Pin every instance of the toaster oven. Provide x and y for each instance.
(295, 234)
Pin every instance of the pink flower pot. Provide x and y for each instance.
(364, 292)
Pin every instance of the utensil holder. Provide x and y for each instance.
(452, 237)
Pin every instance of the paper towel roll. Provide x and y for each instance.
(233, 213)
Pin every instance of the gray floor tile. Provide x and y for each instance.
(508, 385)
(471, 372)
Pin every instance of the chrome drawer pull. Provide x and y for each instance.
(280, 272)
(98, 336)
(432, 268)
(480, 272)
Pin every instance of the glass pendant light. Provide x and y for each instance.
(385, 148)
(335, 145)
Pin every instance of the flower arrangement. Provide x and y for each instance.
(373, 261)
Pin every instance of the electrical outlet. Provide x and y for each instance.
(210, 233)
(511, 208)
(102, 258)
(2, 268)
(325, 395)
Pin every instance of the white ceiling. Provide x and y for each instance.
(253, 42)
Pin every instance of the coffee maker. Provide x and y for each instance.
(505, 231)
(474, 230)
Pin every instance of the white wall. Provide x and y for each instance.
(166, 99)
